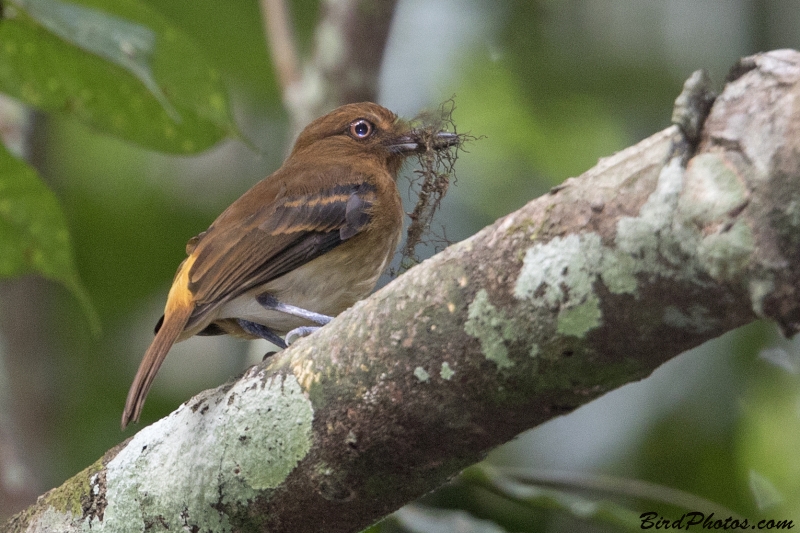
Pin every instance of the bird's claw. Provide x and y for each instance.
(296, 333)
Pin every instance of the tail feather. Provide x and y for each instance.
(174, 322)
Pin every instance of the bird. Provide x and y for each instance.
(299, 247)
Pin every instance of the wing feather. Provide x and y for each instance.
(295, 227)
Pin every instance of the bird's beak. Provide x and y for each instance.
(418, 141)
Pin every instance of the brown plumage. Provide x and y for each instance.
(315, 234)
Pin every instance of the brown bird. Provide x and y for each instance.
(301, 246)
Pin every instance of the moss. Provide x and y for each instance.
(67, 497)
(58, 509)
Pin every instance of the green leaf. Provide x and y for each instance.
(417, 518)
(766, 495)
(33, 232)
(538, 498)
(118, 66)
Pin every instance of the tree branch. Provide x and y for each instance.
(348, 48)
(655, 250)
(282, 45)
(26, 369)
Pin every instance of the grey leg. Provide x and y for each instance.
(262, 332)
(268, 301)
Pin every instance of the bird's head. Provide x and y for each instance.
(370, 131)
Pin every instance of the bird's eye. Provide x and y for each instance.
(361, 129)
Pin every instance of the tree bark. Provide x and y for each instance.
(657, 249)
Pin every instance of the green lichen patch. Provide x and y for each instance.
(685, 228)
(686, 231)
(534, 351)
(247, 438)
(618, 271)
(52, 519)
(446, 372)
(712, 191)
(726, 254)
(714, 194)
(562, 273)
(659, 244)
(492, 328)
(580, 319)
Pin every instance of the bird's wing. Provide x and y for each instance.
(272, 231)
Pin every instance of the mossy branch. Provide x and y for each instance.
(657, 249)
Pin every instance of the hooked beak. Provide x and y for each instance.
(418, 141)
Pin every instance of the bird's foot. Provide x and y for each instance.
(268, 301)
(302, 331)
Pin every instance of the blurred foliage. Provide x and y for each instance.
(547, 96)
(525, 139)
(33, 232)
(768, 431)
(116, 65)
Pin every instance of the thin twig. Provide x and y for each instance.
(282, 44)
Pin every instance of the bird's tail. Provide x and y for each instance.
(175, 320)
